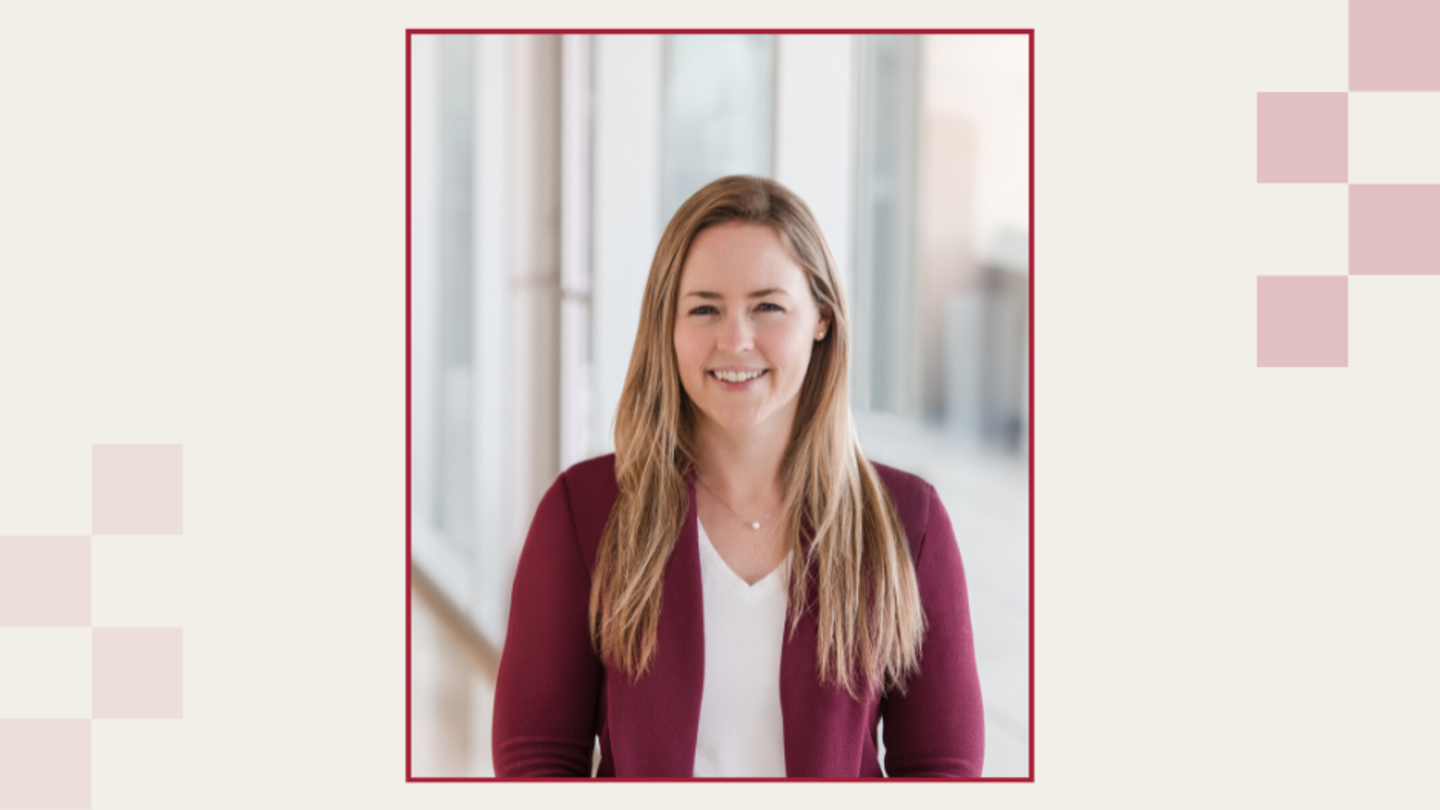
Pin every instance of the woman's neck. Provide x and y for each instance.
(742, 467)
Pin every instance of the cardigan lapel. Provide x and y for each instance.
(654, 721)
(821, 721)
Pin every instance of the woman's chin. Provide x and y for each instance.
(736, 422)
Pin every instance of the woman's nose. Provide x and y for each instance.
(736, 333)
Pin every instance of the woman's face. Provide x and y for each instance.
(745, 312)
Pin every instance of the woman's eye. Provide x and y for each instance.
(771, 307)
(704, 310)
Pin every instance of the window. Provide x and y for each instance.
(718, 112)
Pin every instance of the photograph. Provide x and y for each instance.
(719, 405)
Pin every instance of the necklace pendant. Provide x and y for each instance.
(755, 526)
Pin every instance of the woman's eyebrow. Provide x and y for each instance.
(718, 297)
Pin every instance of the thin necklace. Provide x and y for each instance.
(755, 525)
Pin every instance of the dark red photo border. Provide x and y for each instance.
(1029, 33)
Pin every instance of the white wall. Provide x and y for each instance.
(626, 210)
(494, 511)
(576, 379)
(814, 126)
(533, 381)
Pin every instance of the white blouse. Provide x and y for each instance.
(741, 732)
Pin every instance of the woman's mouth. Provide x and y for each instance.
(737, 380)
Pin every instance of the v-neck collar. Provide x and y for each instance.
(763, 587)
(658, 716)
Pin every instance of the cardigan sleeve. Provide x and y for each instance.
(547, 690)
(937, 727)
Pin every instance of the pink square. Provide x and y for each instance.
(137, 673)
(1394, 230)
(1304, 137)
(44, 581)
(1393, 45)
(136, 489)
(1303, 321)
(44, 764)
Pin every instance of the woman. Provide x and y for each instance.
(738, 590)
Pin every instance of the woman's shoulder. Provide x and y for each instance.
(589, 491)
(914, 499)
(592, 474)
(910, 492)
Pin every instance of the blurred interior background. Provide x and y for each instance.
(544, 169)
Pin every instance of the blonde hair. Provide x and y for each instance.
(867, 603)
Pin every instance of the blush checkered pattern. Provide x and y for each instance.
(62, 673)
(1304, 138)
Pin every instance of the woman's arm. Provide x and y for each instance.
(937, 728)
(547, 691)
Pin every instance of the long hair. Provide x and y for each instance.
(837, 516)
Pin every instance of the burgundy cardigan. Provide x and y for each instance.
(553, 695)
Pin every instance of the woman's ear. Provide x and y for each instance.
(823, 328)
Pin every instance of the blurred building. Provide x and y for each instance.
(543, 171)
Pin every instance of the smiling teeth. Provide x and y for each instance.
(735, 376)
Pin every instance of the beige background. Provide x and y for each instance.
(203, 243)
